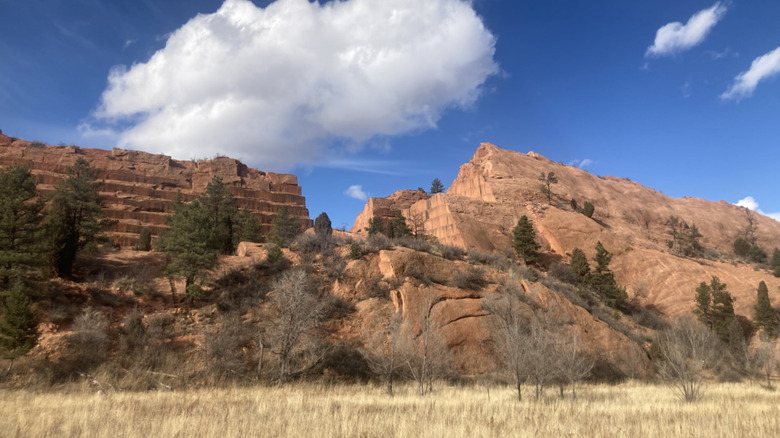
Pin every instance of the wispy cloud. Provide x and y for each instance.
(356, 192)
(745, 83)
(285, 83)
(581, 163)
(719, 55)
(751, 204)
(673, 38)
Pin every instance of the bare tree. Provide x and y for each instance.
(382, 348)
(510, 330)
(763, 361)
(540, 361)
(688, 348)
(417, 225)
(571, 363)
(299, 311)
(423, 348)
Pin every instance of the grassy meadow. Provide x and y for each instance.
(314, 410)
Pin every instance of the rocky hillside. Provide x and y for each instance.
(138, 186)
(497, 186)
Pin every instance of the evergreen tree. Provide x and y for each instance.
(525, 240)
(741, 247)
(187, 242)
(546, 186)
(756, 254)
(144, 239)
(220, 209)
(764, 316)
(579, 265)
(603, 280)
(75, 217)
(375, 226)
(722, 309)
(322, 226)
(588, 209)
(247, 228)
(436, 186)
(285, 227)
(776, 262)
(20, 225)
(18, 329)
(398, 225)
(703, 310)
(573, 204)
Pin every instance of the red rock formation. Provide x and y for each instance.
(138, 186)
(386, 207)
(497, 186)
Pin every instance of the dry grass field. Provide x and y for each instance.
(311, 410)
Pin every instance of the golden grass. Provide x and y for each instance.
(310, 410)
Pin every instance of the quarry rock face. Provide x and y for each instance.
(386, 207)
(138, 186)
(497, 186)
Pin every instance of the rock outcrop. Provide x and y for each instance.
(386, 208)
(497, 186)
(138, 186)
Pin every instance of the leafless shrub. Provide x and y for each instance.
(563, 273)
(229, 350)
(450, 252)
(423, 348)
(88, 345)
(383, 349)
(470, 279)
(414, 243)
(373, 287)
(377, 242)
(306, 243)
(571, 363)
(484, 258)
(298, 311)
(762, 360)
(333, 264)
(687, 349)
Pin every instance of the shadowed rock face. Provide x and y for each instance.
(497, 186)
(138, 186)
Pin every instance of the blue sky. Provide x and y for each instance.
(376, 96)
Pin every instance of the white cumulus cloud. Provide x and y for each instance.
(356, 192)
(751, 204)
(745, 83)
(282, 85)
(673, 38)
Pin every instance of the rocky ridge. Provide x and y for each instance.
(497, 186)
(138, 186)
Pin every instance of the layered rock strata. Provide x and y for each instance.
(138, 186)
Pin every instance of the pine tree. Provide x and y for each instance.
(722, 309)
(741, 247)
(525, 240)
(220, 209)
(703, 310)
(579, 265)
(776, 262)
(247, 228)
(285, 227)
(436, 186)
(75, 217)
(603, 280)
(144, 239)
(375, 226)
(764, 316)
(398, 225)
(588, 209)
(187, 242)
(20, 225)
(546, 186)
(18, 329)
(322, 226)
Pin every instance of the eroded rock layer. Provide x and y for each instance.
(497, 186)
(138, 186)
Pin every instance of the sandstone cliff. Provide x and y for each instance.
(497, 186)
(138, 186)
